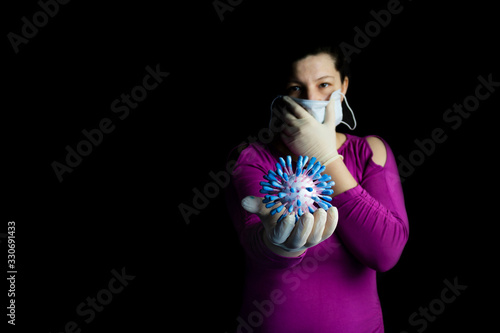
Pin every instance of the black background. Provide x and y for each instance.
(119, 207)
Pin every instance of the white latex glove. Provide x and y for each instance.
(288, 238)
(304, 135)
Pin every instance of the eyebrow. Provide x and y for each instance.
(324, 77)
(295, 80)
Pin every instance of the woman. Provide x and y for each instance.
(318, 274)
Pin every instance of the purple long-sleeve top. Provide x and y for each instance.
(332, 286)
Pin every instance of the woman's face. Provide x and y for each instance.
(315, 77)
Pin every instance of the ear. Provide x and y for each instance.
(344, 87)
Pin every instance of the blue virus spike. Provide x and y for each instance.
(299, 167)
(304, 162)
(268, 188)
(281, 217)
(322, 204)
(315, 169)
(285, 176)
(282, 161)
(275, 183)
(289, 163)
(270, 204)
(279, 170)
(272, 176)
(317, 174)
(325, 178)
(299, 191)
(322, 184)
(311, 163)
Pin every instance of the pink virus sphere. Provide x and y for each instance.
(299, 191)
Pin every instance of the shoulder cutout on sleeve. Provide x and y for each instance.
(378, 149)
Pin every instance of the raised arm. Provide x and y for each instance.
(372, 218)
(373, 223)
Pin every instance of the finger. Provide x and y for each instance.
(300, 232)
(332, 218)
(316, 235)
(287, 115)
(282, 230)
(279, 111)
(330, 113)
(297, 110)
(290, 130)
(289, 118)
(255, 205)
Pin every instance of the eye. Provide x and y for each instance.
(324, 85)
(293, 89)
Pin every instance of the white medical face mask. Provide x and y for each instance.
(318, 108)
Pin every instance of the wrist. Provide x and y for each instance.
(328, 157)
(333, 159)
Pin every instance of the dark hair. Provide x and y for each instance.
(338, 57)
(291, 55)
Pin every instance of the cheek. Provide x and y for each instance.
(341, 87)
(295, 94)
(338, 85)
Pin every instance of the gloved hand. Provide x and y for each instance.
(304, 135)
(290, 239)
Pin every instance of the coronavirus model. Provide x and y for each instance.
(299, 191)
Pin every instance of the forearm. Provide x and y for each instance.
(373, 234)
(343, 179)
(377, 224)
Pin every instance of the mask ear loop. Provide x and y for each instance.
(271, 108)
(352, 113)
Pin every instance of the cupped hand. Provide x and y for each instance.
(287, 237)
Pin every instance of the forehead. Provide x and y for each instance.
(314, 66)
